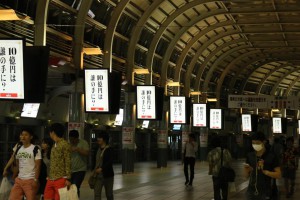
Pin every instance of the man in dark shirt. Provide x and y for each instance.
(261, 166)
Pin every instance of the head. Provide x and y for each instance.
(56, 131)
(74, 137)
(216, 142)
(258, 141)
(289, 142)
(192, 137)
(103, 138)
(26, 136)
(46, 144)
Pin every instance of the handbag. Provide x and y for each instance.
(68, 194)
(226, 174)
(5, 189)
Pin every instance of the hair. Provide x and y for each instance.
(216, 142)
(31, 133)
(259, 136)
(49, 142)
(104, 135)
(58, 129)
(74, 134)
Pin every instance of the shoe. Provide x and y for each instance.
(186, 183)
(189, 187)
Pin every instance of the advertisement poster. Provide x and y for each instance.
(162, 137)
(96, 90)
(199, 115)
(127, 135)
(215, 119)
(146, 108)
(277, 125)
(246, 123)
(11, 69)
(177, 110)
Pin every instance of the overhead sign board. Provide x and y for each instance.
(96, 90)
(215, 119)
(246, 123)
(11, 69)
(146, 104)
(277, 126)
(199, 115)
(177, 109)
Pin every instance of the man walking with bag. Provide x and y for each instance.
(217, 158)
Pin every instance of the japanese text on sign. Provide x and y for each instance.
(199, 115)
(215, 119)
(96, 90)
(146, 102)
(277, 125)
(177, 109)
(11, 69)
(246, 122)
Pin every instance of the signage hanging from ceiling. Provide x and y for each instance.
(215, 119)
(146, 102)
(11, 69)
(177, 109)
(96, 90)
(277, 126)
(199, 115)
(246, 123)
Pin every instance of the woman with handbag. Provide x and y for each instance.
(217, 158)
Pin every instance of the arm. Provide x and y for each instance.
(247, 170)
(81, 151)
(107, 159)
(276, 174)
(37, 168)
(9, 163)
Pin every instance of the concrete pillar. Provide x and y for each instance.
(203, 143)
(162, 138)
(128, 133)
(76, 113)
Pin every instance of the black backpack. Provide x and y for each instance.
(35, 150)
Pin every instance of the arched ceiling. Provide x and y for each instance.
(216, 47)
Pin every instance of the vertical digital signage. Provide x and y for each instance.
(178, 110)
(215, 119)
(199, 115)
(11, 69)
(146, 102)
(96, 90)
(30, 110)
(246, 123)
(277, 126)
(119, 118)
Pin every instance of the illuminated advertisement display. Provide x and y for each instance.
(277, 128)
(199, 115)
(119, 118)
(11, 69)
(246, 123)
(215, 119)
(30, 110)
(146, 108)
(177, 110)
(96, 90)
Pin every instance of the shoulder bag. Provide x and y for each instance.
(226, 174)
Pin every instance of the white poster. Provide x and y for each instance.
(96, 90)
(127, 135)
(11, 69)
(277, 125)
(203, 139)
(119, 118)
(30, 110)
(199, 115)
(215, 117)
(246, 123)
(177, 110)
(298, 126)
(146, 108)
(162, 137)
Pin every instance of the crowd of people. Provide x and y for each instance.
(40, 170)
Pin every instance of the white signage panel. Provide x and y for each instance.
(119, 118)
(277, 125)
(30, 110)
(11, 69)
(246, 123)
(177, 110)
(248, 101)
(199, 115)
(96, 90)
(146, 108)
(215, 117)
(127, 135)
(299, 126)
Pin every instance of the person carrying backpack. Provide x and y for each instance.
(28, 159)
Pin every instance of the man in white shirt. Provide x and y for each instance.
(189, 159)
(28, 158)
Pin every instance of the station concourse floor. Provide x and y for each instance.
(151, 183)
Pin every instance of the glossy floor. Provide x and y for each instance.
(149, 182)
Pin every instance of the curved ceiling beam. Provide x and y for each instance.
(225, 72)
(197, 55)
(259, 87)
(288, 90)
(110, 32)
(276, 85)
(190, 44)
(136, 33)
(271, 58)
(40, 23)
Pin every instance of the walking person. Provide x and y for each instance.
(261, 166)
(215, 162)
(289, 166)
(28, 162)
(189, 160)
(104, 168)
(79, 158)
(60, 163)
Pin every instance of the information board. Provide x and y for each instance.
(146, 104)
(215, 119)
(199, 115)
(277, 126)
(177, 109)
(246, 123)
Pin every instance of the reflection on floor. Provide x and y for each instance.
(149, 182)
